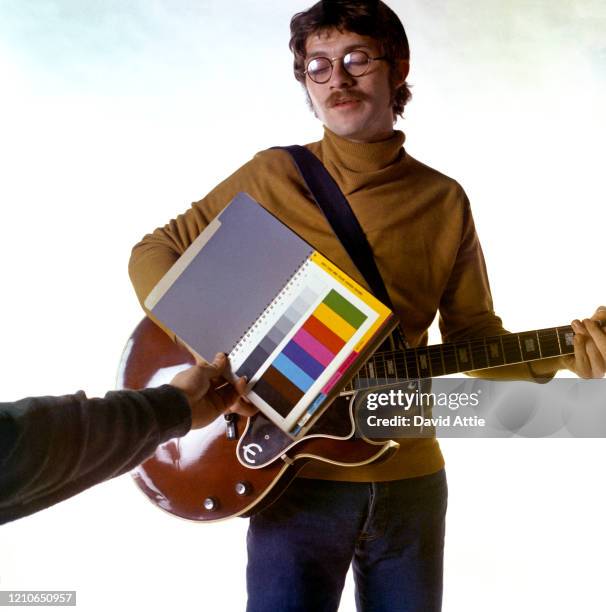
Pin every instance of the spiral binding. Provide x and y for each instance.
(260, 320)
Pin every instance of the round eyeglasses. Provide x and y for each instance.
(355, 63)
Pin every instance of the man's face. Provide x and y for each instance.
(356, 108)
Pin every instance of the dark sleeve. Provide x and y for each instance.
(54, 447)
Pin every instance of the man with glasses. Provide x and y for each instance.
(352, 58)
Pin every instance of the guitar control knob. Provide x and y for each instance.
(243, 488)
(210, 503)
(231, 430)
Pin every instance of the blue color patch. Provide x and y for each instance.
(293, 372)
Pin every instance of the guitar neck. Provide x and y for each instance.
(388, 367)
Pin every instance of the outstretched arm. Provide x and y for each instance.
(52, 448)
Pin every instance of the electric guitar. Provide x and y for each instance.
(237, 467)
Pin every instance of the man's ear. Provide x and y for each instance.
(400, 72)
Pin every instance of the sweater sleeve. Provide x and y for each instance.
(54, 447)
(466, 308)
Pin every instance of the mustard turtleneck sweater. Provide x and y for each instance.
(418, 223)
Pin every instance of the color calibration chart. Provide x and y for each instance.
(297, 355)
(308, 353)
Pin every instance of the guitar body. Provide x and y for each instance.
(205, 475)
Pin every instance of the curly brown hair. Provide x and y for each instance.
(364, 17)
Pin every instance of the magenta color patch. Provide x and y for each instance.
(316, 349)
(335, 377)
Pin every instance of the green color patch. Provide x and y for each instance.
(344, 309)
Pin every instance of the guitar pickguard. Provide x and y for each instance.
(263, 442)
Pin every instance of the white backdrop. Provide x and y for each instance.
(115, 115)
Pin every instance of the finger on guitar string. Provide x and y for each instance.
(596, 360)
(581, 366)
(596, 347)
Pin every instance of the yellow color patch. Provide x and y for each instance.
(334, 322)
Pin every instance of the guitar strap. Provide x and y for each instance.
(344, 223)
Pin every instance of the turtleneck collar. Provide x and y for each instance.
(363, 156)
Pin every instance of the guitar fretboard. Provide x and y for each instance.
(390, 367)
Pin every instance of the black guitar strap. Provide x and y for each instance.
(343, 222)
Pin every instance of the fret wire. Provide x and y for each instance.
(427, 361)
(439, 359)
(470, 350)
(402, 359)
(377, 376)
(433, 352)
(486, 352)
(387, 361)
(389, 367)
(547, 343)
(456, 354)
(428, 357)
(484, 349)
(407, 375)
(541, 348)
(519, 345)
(473, 353)
(406, 359)
(559, 341)
(366, 374)
(502, 349)
(449, 349)
(372, 371)
(470, 354)
(395, 365)
(410, 357)
(416, 360)
(384, 369)
(398, 361)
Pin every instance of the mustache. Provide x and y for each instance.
(340, 96)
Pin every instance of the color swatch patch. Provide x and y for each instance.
(303, 359)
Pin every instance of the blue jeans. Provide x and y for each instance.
(300, 548)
